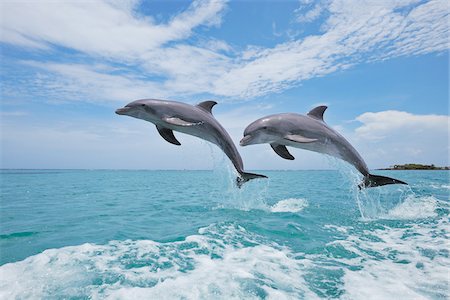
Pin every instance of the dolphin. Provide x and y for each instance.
(169, 116)
(309, 132)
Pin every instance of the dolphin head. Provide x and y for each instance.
(140, 109)
(261, 131)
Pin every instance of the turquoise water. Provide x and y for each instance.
(93, 234)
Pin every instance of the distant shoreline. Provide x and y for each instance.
(415, 167)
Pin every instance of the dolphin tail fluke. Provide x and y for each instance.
(244, 177)
(377, 180)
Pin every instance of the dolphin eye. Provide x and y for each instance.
(264, 127)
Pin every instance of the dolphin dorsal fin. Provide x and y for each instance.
(207, 105)
(317, 113)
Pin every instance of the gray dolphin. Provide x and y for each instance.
(189, 119)
(309, 132)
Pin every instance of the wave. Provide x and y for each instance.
(222, 262)
(415, 208)
(442, 186)
(289, 205)
(18, 235)
(226, 261)
(398, 263)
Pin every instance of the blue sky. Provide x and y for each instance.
(382, 67)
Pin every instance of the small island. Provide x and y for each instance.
(415, 167)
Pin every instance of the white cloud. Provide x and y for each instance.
(382, 124)
(112, 31)
(92, 84)
(103, 28)
(216, 45)
(189, 69)
(355, 31)
(391, 137)
(310, 14)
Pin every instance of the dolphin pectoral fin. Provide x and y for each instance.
(282, 151)
(207, 105)
(180, 122)
(317, 113)
(298, 138)
(167, 134)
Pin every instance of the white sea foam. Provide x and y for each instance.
(342, 229)
(399, 263)
(215, 265)
(226, 261)
(414, 208)
(442, 186)
(289, 205)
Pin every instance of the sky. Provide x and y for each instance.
(381, 67)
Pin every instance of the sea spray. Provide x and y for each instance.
(373, 203)
(252, 194)
(376, 203)
(293, 205)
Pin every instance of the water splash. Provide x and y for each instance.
(376, 203)
(289, 205)
(373, 203)
(416, 208)
(252, 195)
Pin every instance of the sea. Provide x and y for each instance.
(139, 234)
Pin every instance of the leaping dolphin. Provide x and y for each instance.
(193, 120)
(309, 132)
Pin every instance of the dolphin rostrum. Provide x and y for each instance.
(309, 132)
(189, 119)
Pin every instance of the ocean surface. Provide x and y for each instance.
(96, 234)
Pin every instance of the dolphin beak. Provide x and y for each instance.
(245, 140)
(122, 111)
